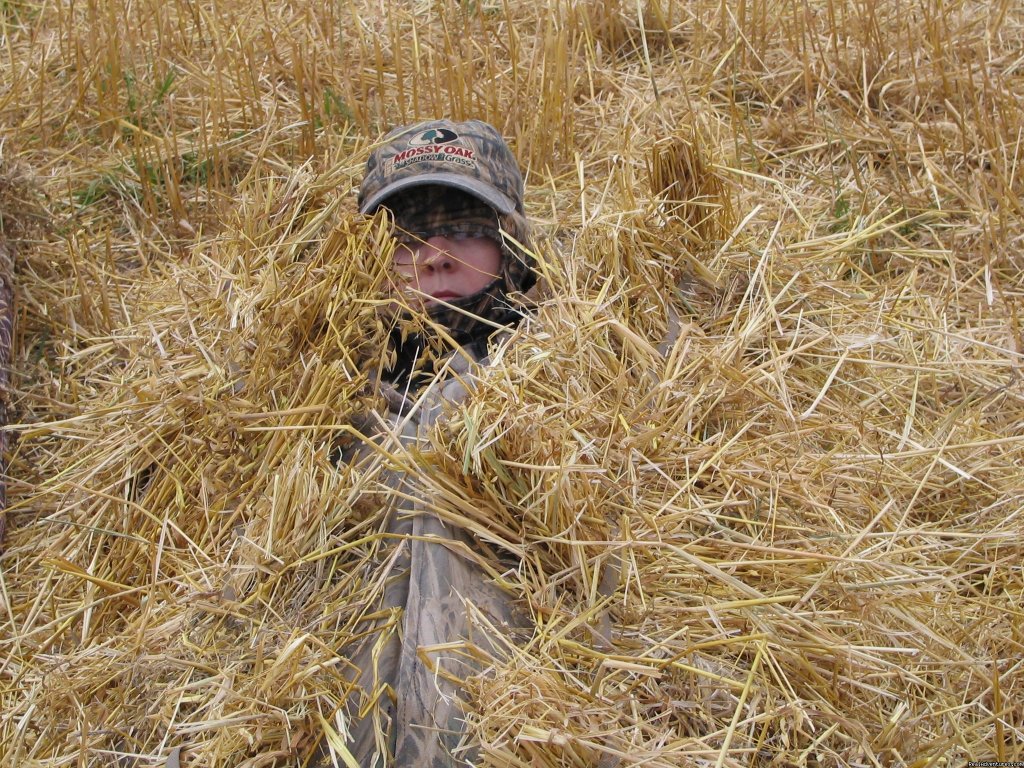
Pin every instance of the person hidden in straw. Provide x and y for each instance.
(454, 194)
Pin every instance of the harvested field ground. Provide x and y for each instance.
(774, 378)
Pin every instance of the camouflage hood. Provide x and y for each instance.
(450, 178)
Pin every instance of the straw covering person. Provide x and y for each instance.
(455, 196)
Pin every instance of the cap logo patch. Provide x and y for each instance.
(431, 153)
(433, 136)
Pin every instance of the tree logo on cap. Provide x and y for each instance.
(433, 136)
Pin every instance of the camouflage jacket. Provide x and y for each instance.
(436, 586)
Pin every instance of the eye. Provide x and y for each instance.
(407, 239)
(404, 257)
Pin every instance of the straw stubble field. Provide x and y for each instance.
(773, 384)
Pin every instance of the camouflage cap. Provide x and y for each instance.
(471, 156)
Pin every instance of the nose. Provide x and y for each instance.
(434, 254)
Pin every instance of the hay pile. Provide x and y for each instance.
(773, 385)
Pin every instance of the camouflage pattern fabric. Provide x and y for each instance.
(409, 661)
(471, 156)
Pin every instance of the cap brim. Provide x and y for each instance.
(494, 198)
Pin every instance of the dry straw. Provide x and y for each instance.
(756, 460)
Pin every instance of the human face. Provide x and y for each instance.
(447, 267)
